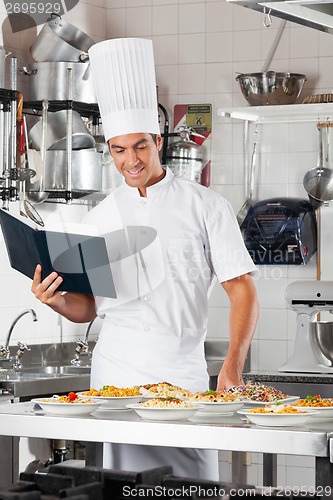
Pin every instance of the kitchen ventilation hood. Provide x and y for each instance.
(317, 14)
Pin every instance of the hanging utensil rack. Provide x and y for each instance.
(8, 173)
(86, 110)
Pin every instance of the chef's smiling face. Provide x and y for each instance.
(136, 157)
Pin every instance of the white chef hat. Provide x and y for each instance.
(123, 75)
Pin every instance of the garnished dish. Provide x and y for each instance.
(71, 404)
(165, 409)
(113, 398)
(257, 394)
(217, 401)
(163, 390)
(277, 409)
(110, 391)
(324, 406)
(277, 415)
(211, 396)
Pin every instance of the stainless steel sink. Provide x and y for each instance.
(56, 370)
(44, 372)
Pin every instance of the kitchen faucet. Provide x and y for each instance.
(82, 347)
(4, 351)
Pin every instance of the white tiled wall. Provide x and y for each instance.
(200, 46)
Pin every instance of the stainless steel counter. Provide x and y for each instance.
(230, 434)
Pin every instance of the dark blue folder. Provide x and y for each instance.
(81, 260)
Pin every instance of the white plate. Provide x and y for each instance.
(213, 418)
(277, 419)
(66, 409)
(219, 407)
(113, 403)
(288, 400)
(322, 413)
(163, 413)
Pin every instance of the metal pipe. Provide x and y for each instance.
(13, 128)
(69, 135)
(165, 133)
(246, 158)
(45, 107)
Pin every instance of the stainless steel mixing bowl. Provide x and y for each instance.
(323, 331)
(267, 88)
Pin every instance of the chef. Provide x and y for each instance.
(176, 239)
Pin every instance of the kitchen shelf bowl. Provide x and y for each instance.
(271, 88)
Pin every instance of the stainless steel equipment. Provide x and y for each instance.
(56, 132)
(82, 347)
(185, 157)
(307, 299)
(323, 331)
(46, 81)
(3, 55)
(268, 88)
(59, 40)
(317, 14)
(318, 183)
(7, 447)
(86, 172)
(4, 351)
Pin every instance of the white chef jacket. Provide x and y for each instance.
(185, 237)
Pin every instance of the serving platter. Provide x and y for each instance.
(163, 414)
(113, 403)
(288, 400)
(278, 419)
(210, 407)
(322, 412)
(65, 409)
(214, 418)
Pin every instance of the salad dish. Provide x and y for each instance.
(69, 405)
(257, 394)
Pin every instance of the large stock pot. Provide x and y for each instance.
(59, 40)
(48, 80)
(86, 172)
(56, 132)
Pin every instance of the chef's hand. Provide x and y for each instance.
(46, 290)
(76, 307)
(229, 376)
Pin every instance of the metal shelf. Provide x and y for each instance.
(292, 113)
(85, 109)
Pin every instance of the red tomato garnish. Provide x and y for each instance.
(72, 396)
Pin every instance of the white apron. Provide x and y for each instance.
(154, 330)
(131, 356)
